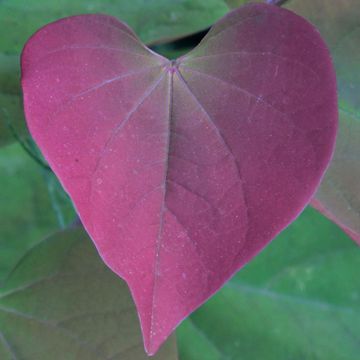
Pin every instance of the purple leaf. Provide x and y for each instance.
(339, 194)
(182, 171)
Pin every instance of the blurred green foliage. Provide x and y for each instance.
(298, 299)
(62, 296)
(32, 205)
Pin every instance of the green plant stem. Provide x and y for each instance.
(276, 2)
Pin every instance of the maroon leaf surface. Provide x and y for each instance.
(339, 194)
(182, 171)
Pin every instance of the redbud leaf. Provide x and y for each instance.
(155, 21)
(339, 194)
(182, 171)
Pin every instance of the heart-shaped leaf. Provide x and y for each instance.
(339, 194)
(182, 171)
(62, 302)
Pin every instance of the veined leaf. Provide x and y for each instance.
(182, 171)
(61, 302)
(155, 21)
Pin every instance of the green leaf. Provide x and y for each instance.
(233, 4)
(31, 205)
(339, 23)
(299, 299)
(61, 302)
(11, 112)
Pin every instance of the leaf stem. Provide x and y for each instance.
(276, 2)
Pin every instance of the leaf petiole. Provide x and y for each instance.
(276, 2)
